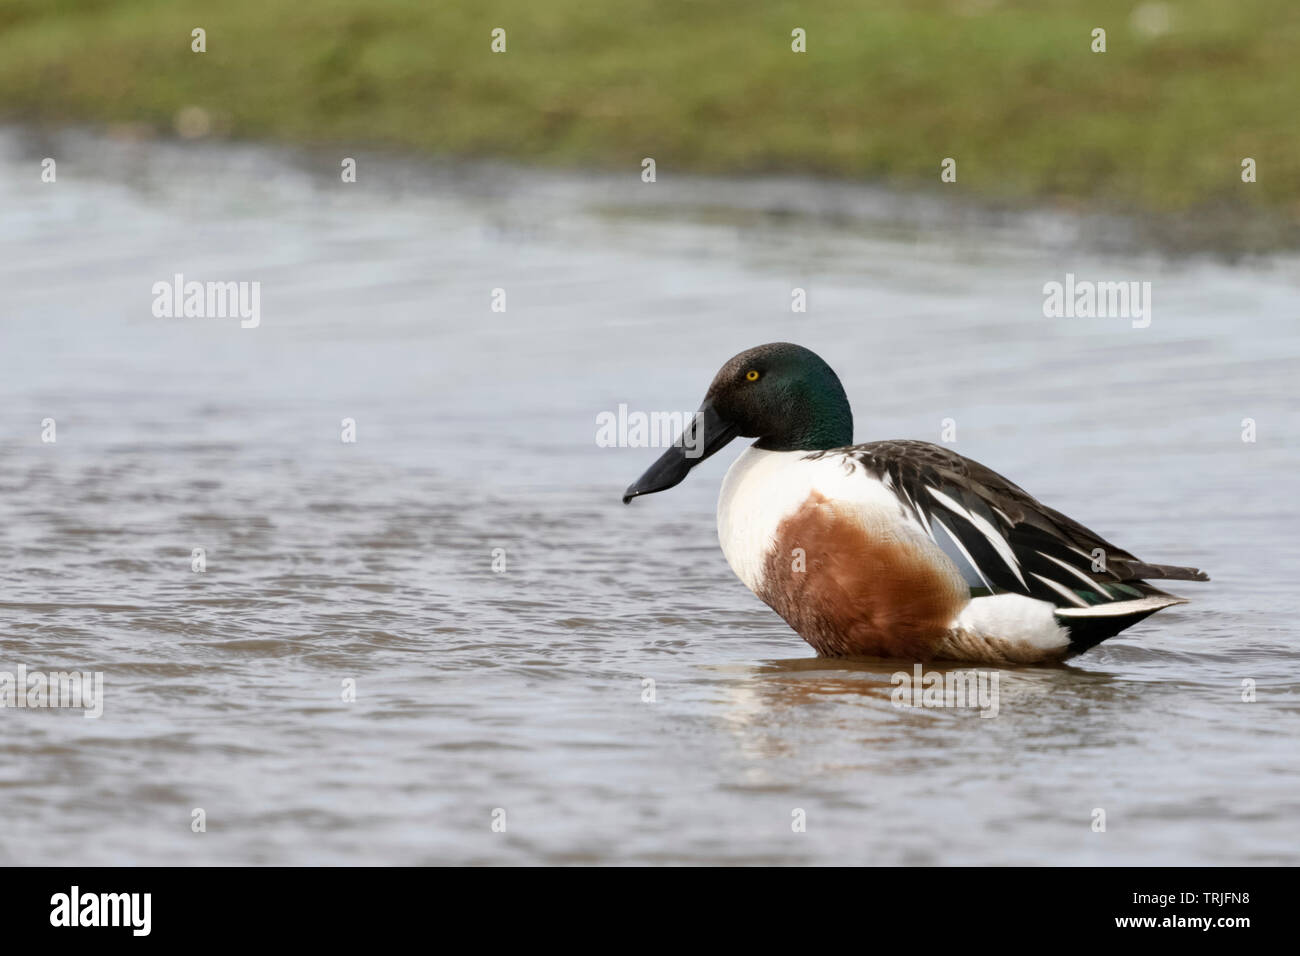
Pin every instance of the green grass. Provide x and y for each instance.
(887, 89)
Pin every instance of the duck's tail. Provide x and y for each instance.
(1135, 569)
(1089, 626)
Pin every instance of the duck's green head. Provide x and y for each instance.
(782, 394)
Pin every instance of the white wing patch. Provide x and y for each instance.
(999, 543)
(1062, 590)
(1153, 602)
(962, 548)
(1091, 583)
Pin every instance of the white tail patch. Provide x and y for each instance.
(1017, 620)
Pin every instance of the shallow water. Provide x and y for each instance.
(522, 690)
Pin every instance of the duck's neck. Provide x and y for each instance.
(819, 419)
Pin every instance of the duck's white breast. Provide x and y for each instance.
(763, 488)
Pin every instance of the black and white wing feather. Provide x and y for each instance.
(1002, 538)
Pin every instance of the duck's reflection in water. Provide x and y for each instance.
(784, 707)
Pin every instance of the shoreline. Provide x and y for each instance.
(1156, 125)
(826, 203)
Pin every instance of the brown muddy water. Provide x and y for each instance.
(521, 688)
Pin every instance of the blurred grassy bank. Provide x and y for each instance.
(886, 90)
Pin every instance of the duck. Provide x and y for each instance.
(896, 549)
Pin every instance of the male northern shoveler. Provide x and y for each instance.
(896, 548)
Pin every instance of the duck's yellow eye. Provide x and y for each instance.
(751, 375)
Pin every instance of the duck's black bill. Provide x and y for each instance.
(706, 434)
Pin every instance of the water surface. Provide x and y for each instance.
(523, 690)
